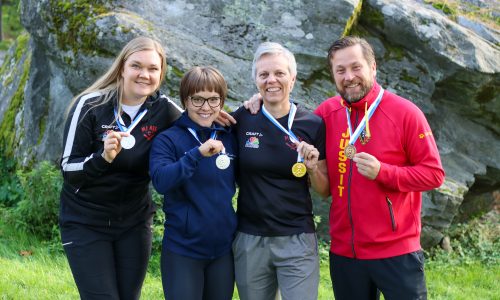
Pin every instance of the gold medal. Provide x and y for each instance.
(349, 151)
(299, 169)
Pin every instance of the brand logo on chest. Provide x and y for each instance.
(149, 131)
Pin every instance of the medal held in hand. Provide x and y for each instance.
(128, 142)
(299, 169)
(222, 162)
(349, 151)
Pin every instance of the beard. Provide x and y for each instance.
(352, 97)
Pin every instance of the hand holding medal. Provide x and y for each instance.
(310, 156)
(113, 144)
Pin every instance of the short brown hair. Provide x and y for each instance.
(349, 41)
(202, 79)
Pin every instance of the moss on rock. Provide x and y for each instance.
(73, 24)
(8, 138)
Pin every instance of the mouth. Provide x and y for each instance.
(273, 89)
(204, 115)
(351, 86)
(142, 83)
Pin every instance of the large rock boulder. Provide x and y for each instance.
(446, 69)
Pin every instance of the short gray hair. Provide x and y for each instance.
(274, 49)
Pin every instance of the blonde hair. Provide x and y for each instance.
(111, 82)
(270, 48)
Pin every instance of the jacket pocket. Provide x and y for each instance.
(391, 213)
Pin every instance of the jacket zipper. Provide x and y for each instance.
(349, 197)
(391, 212)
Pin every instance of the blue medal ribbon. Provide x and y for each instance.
(213, 135)
(291, 116)
(354, 136)
(121, 123)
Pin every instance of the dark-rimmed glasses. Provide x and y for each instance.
(198, 101)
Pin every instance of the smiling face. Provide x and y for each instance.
(204, 115)
(273, 78)
(353, 75)
(141, 76)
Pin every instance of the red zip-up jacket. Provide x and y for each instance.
(373, 219)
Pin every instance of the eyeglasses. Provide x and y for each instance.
(199, 101)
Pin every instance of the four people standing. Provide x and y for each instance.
(380, 155)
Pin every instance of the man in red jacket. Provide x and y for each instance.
(381, 155)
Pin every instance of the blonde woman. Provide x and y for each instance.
(106, 209)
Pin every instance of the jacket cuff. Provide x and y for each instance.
(385, 175)
(195, 154)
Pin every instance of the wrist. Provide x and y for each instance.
(105, 158)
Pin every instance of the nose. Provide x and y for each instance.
(144, 73)
(348, 75)
(271, 78)
(205, 105)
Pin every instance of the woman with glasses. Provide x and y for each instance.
(192, 165)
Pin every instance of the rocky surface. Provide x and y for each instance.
(449, 71)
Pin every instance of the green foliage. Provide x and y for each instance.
(10, 186)
(38, 210)
(158, 222)
(11, 23)
(476, 240)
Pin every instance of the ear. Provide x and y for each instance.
(292, 83)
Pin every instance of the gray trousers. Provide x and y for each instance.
(268, 266)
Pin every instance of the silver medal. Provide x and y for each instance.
(222, 162)
(128, 142)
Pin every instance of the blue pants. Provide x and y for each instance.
(197, 279)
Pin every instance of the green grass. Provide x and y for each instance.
(45, 274)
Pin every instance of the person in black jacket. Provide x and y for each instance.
(106, 209)
(193, 165)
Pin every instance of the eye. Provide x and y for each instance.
(263, 75)
(356, 68)
(135, 66)
(340, 71)
(154, 69)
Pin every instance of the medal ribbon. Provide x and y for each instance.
(354, 136)
(213, 135)
(121, 123)
(291, 116)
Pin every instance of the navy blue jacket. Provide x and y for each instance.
(200, 220)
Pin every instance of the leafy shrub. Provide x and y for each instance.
(478, 239)
(38, 210)
(10, 186)
(158, 221)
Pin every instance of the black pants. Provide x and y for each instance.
(194, 279)
(108, 263)
(400, 277)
